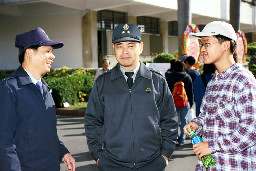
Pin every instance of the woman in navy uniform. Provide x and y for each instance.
(28, 134)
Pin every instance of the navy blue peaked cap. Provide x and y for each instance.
(36, 37)
(126, 32)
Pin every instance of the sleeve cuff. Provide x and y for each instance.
(213, 146)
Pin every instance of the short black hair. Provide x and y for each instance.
(179, 66)
(190, 60)
(172, 62)
(222, 39)
(22, 52)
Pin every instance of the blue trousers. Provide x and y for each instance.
(183, 113)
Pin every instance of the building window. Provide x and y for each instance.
(252, 2)
(110, 19)
(173, 28)
(201, 27)
(148, 24)
(249, 37)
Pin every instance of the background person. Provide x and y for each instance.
(200, 84)
(179, 74)
(189, 62)
(227, 120)
(172, 64)
(28, 134)
(130, 120)
(105, 68)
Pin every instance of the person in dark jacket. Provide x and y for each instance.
(200, 84)
(169, 71)
(180, 75)
(130, 120)
(189, 62)
(28, 134)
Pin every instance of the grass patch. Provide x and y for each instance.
(81, 105)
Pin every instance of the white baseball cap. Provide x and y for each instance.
(216, 28)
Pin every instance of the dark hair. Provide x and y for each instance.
(22, 52)
(222, 39)
(209, 68)
(190, 60)
(172, 62)
(106, 60)
(179, 66)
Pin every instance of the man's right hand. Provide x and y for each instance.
(187, 128)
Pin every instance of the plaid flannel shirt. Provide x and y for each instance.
(228, 120)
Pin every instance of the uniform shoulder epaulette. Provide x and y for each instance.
(156, 71)
(103, 73)
(9, 77)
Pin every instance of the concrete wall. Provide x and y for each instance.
(173, 44)
(63, 27)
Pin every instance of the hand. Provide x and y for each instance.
(201, 149)
(69, 161)
(187, 128)
(166, 160)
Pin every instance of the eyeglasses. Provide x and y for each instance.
(201, 45)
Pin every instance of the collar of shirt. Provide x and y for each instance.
(227, 72)
(33, 79)
(135, 70)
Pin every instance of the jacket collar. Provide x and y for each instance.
(25, 79)
(143, 71)
(23, 76)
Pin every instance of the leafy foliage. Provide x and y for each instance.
(163, 58)
(5, 73)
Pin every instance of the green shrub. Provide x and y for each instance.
(69, 88)
(65, 71)
(147, 62)
(70, 85)
(251, 50)
(253, 69)
(5, 73)
(163, 58)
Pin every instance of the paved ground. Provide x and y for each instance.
(71, 132)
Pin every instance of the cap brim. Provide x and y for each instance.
(201, 34)
(55, 45)
(125, 39)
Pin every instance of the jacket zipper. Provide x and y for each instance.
(133, 153)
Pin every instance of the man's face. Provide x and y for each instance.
(106, 64)
(212, 50)
(41, 60)
(127, 54)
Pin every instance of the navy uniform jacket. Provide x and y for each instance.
(132, 127)
(28, 134)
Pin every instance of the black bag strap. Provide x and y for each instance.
(204, 81)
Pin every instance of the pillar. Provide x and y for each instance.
(235, 14)
(164, 35)
(90, 40)
(184, 19)
(132, 20)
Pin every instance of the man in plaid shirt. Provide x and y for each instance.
(227, 120)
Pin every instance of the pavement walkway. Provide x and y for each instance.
(71, 132)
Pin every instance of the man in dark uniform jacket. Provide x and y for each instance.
(28, 134)
(130, 120)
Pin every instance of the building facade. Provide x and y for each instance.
(85, 26)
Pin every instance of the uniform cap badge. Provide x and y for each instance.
(126, 27)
